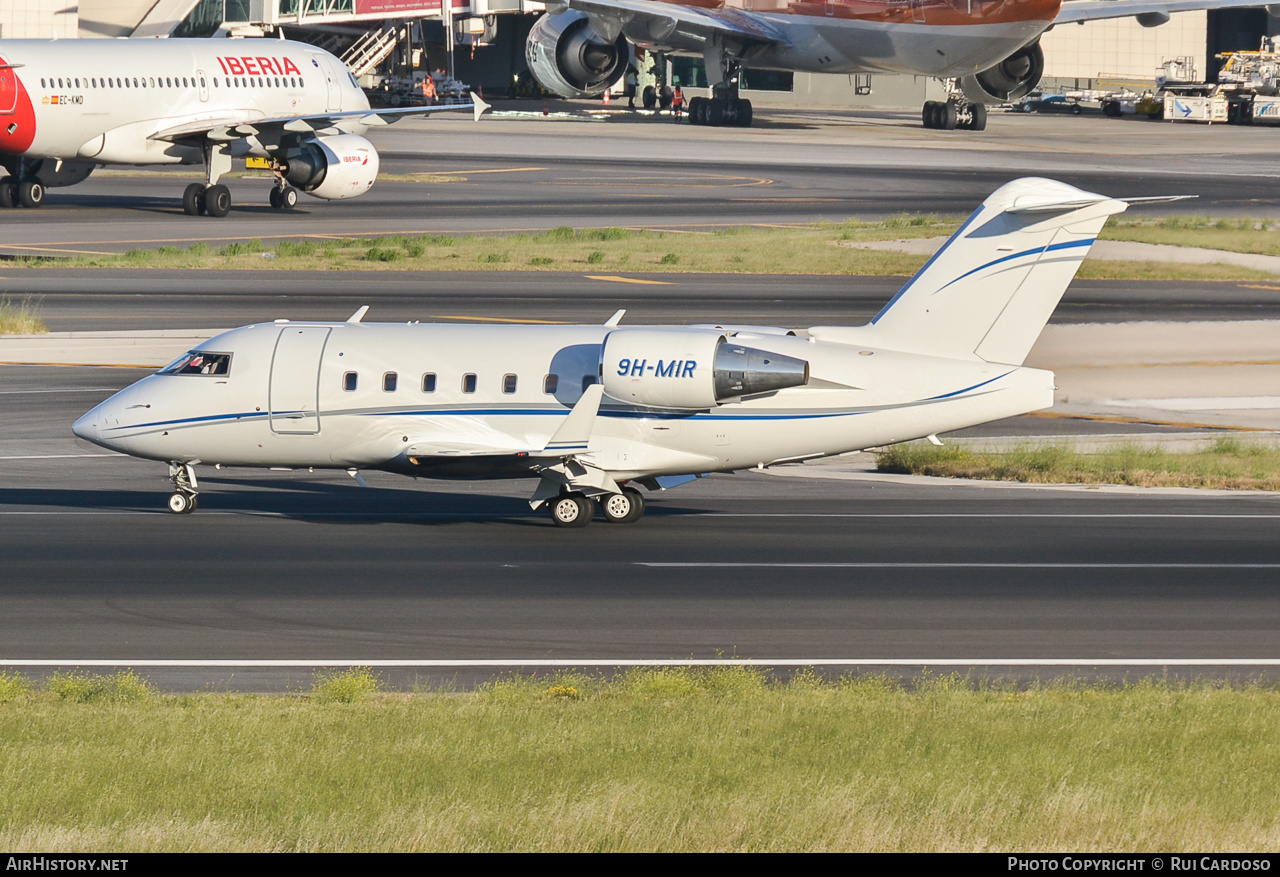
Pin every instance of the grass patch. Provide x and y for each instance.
(14, 686)
(1227, 464)
(346, 686)
(21, 319)
(665, 759)
(125, 685)
(1237, 235)
(799, 249)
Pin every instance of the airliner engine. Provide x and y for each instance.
(689, 369)
(1010, 80)
(567, 56)
(333, 168)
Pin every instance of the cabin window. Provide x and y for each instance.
(349, 382)
(468, 383)
(389, 382)
(550, 383)
(587, 380)
(200, 362)
(508, 384)
(429, 382)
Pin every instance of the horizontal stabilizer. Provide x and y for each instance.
(988, 292)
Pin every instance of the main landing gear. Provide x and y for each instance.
(957, 111)
(572, 510)
(185, 487)
(724, 107)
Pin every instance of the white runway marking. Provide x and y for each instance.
(654, 662)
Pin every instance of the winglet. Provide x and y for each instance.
(478, 106)
(616, 318)
(358, 315)
(575, 432)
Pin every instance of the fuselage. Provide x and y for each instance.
(474, 400)
(944, 38)
(113, 101)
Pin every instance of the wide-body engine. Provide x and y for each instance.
(333, 168)
(1012, 79)
(567, 56)
(691, 369)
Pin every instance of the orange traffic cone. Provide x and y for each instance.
(546, 110)
(606, 98)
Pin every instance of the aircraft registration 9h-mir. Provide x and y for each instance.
(594, 412)
(69, 106)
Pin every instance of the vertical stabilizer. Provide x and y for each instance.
(989, 291)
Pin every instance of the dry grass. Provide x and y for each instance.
(1227, 464)
(21, 319)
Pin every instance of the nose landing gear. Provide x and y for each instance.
(185, 487)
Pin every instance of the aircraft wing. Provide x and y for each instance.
(1148, 12)
(670, 24)
(236, 127)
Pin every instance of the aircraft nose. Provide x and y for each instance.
(88, 427)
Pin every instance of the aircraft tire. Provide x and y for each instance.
(289, 198)
(181, 503)
(8, 192)
(571, 511)
(30, 193)
(695, 110)
(744, 113)
(217, 201)
(649, 97)
(191, 197)
(715, 113)
(978, 120)
(665, 96)
(926, 115)
(273, 197)
(623, 508)
(947, 116)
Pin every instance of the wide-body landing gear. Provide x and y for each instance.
(724, 107)
(183, 499)
(951, 114)
(957, 111)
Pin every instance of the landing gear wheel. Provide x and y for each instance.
(649, 97)
(193, 200)
(288, 197)
(182, 503)
(30, 193)
(695, 110)
(927, 114)
(744, 113)
(217, 201)
(978, 117)
(665, 96)
(623, 508)
(273, 198)
(571, 510)
(947, 116)
(8, 192)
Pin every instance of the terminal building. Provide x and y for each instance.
(481, 42)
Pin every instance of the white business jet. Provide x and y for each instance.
(594, 411)
(69, 106)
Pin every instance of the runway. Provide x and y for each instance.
(786, 566)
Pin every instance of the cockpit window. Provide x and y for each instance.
(200, 362)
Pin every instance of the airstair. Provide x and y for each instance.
(373, 48)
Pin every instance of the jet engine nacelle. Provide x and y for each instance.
(1012, 79)
(333, 168)
(53, 173)
(691, 369)
(567, 56)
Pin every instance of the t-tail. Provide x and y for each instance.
(990, 290)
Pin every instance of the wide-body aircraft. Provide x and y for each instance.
(594, 412)
(988, 51)
(69, 106)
